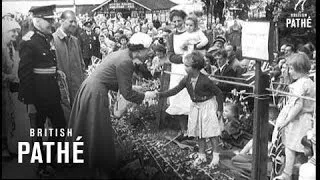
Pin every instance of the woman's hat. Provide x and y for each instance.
(141, 38)
(88, 23)
(9, 25)
(8, 15)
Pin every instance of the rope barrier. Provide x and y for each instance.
(218, 80)
(290, 94)
(279, 83)
(228, 77)
(252, 86)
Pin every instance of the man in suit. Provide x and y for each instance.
(224, 69)
(89, 43)
(233, 60)
(69, 56)
(39, 88)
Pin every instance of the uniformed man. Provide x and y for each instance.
(38, 79)
(89, 43)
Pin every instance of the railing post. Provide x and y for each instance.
(260, 125)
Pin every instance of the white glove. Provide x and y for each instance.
(150, 95)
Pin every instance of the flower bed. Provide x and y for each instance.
(146, 154)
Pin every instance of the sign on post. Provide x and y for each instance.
(255, 40)
(257, 45)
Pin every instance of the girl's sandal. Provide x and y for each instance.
(215, 160)
(283, 176)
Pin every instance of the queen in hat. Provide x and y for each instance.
(90, 114)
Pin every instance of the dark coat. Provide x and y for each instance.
(90, 114)
(90, 45)
(173, 57)
(36, 52)
(226, 71)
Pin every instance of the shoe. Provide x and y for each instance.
(283, 176)
(200, 159)
(215, 160)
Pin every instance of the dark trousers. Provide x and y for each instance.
(218, 14)
(55, 113)
(87, 62)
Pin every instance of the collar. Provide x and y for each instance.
(61, 34)
(194, 78)
(221, 68)
(47, 37)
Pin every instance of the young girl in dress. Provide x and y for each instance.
(159, 60)
(295, 118)
(232, 125)
(194, 38)
(206, 107)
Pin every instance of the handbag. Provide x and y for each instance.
(14, 87)
(122, 105)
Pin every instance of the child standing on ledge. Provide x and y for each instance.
(206, 107)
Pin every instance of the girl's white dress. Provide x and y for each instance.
(203, 121)
(297, 128)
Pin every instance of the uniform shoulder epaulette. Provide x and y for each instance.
(28, 36)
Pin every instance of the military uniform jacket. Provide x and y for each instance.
(37, 52)
(90, 45)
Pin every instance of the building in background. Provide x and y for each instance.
(144, 8)
(136, 8)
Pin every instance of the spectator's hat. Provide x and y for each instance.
(8, 15)
(44, 12)
(123, 36)
(10, 25)
(88, 23)
(219, 39)
(213, 49)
